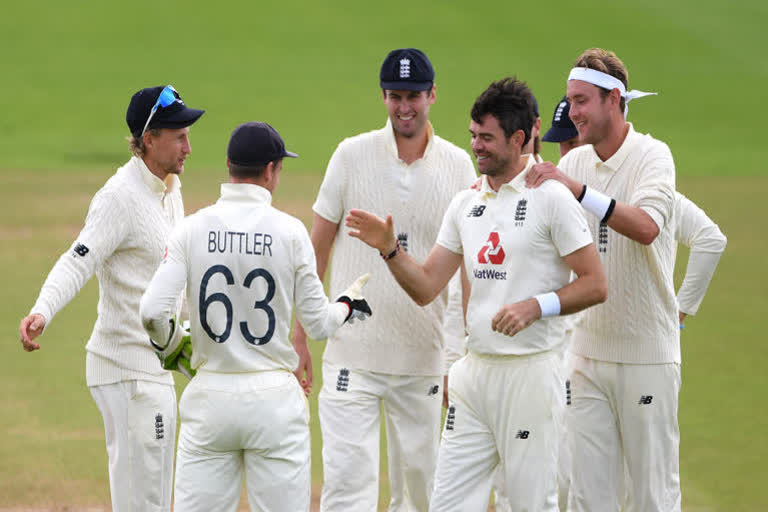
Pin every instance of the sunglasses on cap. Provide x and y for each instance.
(167, 97)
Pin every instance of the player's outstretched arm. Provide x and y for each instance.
(421, 282)
(631, 221)
(30, 328)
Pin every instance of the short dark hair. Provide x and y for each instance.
(247, 171)
(511, 102)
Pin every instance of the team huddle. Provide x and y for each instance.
(535, 303)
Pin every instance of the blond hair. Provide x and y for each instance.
(607, 62)
(137, 143)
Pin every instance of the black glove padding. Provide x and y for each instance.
(358, 308)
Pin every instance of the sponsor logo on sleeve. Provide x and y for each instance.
(81, 250)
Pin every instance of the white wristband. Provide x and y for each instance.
(549, 304)
(597, 203)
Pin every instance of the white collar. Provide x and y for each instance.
(245, 193)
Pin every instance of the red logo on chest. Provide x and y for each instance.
(492, 252)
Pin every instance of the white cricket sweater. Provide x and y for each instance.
(249, 263)
(401, 338)
(697, 231)
(638, 322)
(123, 242)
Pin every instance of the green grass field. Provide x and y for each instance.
(311, 69)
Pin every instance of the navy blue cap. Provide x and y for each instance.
(562, 127)
(175, 115)
(407, 69)
(256, 143)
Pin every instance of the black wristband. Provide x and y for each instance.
(609, 211)
(394, 252)
(583, 193)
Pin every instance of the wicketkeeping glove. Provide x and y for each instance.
(177, 356)
(352, 297)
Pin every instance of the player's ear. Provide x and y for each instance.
(432, 95)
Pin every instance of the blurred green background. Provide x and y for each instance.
(311, 70)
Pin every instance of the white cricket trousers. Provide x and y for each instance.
(503, 410)
(140, 431)
(624, 437)
(564, 453)
(252, 423)
(350, 402)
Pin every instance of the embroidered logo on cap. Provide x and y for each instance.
(405, 68)
(559, 111)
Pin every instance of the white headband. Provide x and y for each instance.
(606, 81)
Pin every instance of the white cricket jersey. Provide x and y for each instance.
(245, 265)
(638, 323)
(694, 229)
(401, 338)
(513, 242)
(123, 240)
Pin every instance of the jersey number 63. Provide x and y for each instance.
(263, 304)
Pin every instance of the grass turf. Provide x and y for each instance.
(311, 69)
(52, 443)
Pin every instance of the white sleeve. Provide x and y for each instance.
(330, 199)
(106, 226)
(317, 315)
(568, 225)
(160, 305)
(654, 191)
(449, 235)
(453, 325)
(696, 230)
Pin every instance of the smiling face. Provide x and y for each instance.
(167, 151)
(408, 110)
(592, 112)
(496, 154)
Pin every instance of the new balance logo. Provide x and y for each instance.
(522, 434)
(476, 211)
(492, 252)
(450, 418)
(81, 249)
(568, 392)
(342, 383)
(405, 68)
(602, 238)
(159, 428)
(645, 400)
(403, 239)
(522, 207)
(434, 390)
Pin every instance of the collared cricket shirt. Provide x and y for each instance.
(513, 242)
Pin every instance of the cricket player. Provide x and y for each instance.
(122, 242)
(393, 363)
(245, 264)
(624, 354)
(693, 228)
(506, 403)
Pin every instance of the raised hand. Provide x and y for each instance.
(372, 230)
